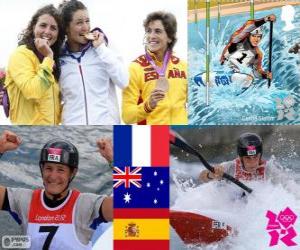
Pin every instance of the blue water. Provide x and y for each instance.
(259, 104)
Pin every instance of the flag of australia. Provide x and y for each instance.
(141, 187)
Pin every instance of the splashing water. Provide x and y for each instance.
(258, 104)
(247, 217)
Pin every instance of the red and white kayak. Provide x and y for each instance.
(198, 229)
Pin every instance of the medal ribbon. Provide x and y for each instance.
(160, 70)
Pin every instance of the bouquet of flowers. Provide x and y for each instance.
(2, 76)
(4, 100)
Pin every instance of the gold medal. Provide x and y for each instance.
(162, 84)
(89, 36)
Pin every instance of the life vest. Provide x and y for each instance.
(241, 174)
(53, 228)
(245, 55)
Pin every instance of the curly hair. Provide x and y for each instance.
(27, 36)
(169, 22)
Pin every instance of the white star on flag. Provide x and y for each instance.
(127, 197)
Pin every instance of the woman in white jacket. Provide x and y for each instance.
(89, 71)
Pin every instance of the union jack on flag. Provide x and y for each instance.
(127, 177)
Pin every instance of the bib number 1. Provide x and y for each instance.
(51, 230)
(240, 60)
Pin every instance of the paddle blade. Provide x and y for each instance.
(181, 143)
(197, 229)
(175, 136)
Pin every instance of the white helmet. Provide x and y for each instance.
(257, 31)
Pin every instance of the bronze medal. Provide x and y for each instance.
(162, 84)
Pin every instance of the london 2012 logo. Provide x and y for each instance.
(280, 227)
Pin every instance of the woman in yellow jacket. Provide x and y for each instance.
(157, 90)
(33, 71)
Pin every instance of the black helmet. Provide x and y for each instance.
(249, 144)
(60, 151)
